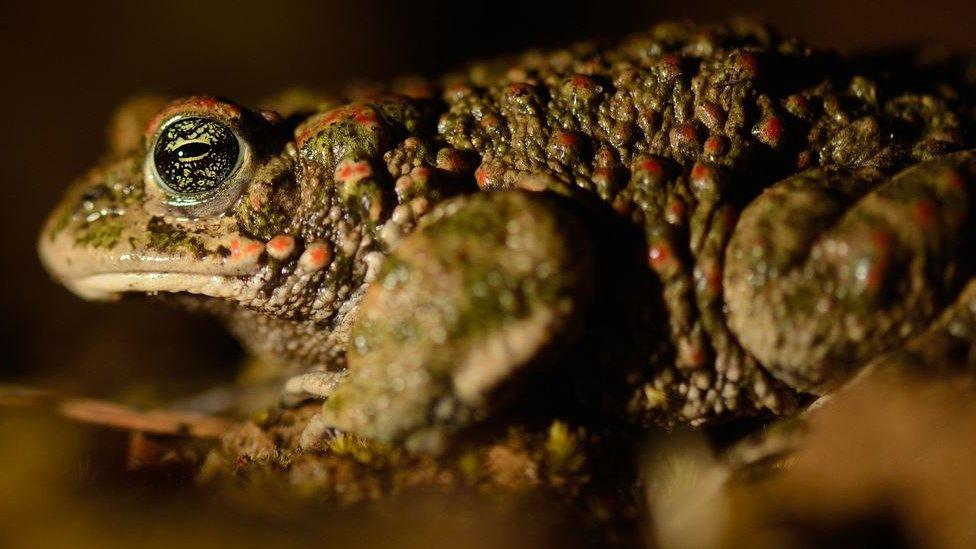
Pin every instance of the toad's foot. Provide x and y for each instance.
(311, 385)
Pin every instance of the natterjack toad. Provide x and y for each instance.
(703, 221)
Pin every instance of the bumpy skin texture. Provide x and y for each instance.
(781, 252)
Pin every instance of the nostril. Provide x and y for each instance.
(95, 193)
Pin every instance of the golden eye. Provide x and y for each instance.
(195, 155)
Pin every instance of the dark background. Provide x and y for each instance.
(66, 67)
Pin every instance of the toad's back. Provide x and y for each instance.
(679, 129)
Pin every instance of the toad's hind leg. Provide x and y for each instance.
(489, 285)
(827, 270)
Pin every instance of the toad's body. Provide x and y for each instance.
(703, 221)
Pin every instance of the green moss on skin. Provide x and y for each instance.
(169, 238)
(104, 232)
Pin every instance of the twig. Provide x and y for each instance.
(110, 414)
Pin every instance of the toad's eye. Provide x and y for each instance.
(194, 156)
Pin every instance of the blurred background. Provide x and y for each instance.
(67, 66)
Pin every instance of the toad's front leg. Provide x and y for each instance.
(487, 290)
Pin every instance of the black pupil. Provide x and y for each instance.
(195, 155)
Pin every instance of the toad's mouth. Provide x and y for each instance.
(101, 257)
(107, 273)
(112, 286)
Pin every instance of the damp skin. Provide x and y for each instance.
(798, 215)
